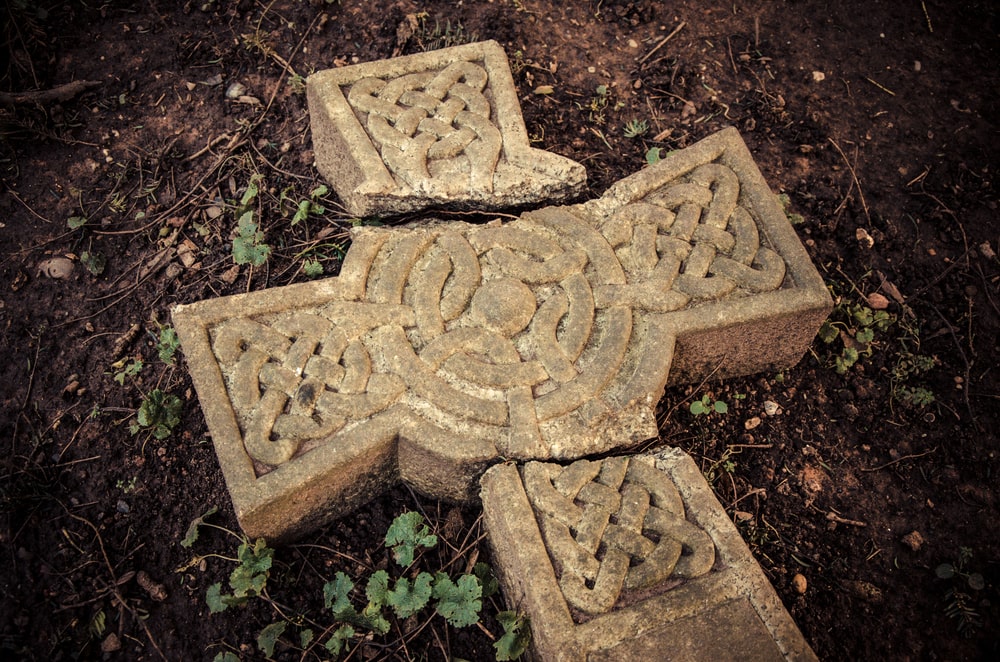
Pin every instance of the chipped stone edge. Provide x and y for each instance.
(529, 583)
(366, 192)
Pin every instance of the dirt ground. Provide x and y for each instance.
(854, 476)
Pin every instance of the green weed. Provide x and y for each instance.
(159, 413)
(248, 246)
(458, 599)
(960, 603)
(707, 405)
(167, 344)
(635, 128)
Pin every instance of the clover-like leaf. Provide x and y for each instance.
(516, 635)
(459, 602)
(192, 532)
(407, 598)
(214, 599)
(335, 594)
(377, 590)
(335, 644)
(405, 534)
(268, 637)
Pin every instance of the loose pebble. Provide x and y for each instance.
(751, 423)
(877, 301)
(57, 268)
(771, 408)
(799, 584)
(236, 90)
(111, 644)
(913, 540)
(818, 76)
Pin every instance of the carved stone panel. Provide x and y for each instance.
(630, 558)
(614, 527)
(441, 349)
(437, 128)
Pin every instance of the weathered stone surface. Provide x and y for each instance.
(437, 128)
(441, 349)
(631, 559)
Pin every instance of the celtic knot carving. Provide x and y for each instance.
(299, 378)
(432, 126)
(689, 241)
(614, 526)
(519, 332)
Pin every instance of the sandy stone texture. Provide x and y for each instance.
(442, 128)
(631, 559)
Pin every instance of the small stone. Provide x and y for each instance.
(751, 423)
(987, 250)
(799, 584)
(771, 408)
(877, 301)
(111, 644)
(913, 540)
(57, 268)
(191, 86)
(818, 76)
(123, 507)
(213, 212)
(236, 90)
(864, 238)
(632, 43)
(230, 275)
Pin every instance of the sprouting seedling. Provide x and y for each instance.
(635, 128)
(706, 406)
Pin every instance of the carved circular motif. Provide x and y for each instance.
(504, 305)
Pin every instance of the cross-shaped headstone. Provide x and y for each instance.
(443, 349)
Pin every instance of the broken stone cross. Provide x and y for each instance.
(443, 349)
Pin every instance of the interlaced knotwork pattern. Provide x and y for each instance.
(612, 526)
(431, 126)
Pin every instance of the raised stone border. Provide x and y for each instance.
(631, 559)
(432, 129)
(443, 348)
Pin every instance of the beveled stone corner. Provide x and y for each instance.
(442, 128)
(631, 559)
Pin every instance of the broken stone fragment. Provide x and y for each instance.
(442, 128)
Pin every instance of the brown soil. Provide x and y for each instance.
(889, 162)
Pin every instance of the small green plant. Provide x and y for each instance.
(635, 128)
(598, 104)
(126, 486)
(159, 413)
(248, 579)
(856, 325)
(458, 600)
(76, 222)
(516, 635)
(654, 155)
(312, 268)
(707, 405)
(248, 246)
(304, 208)
(959, 602)
(126, 368)
(786, 203)
(93, 262)
(297, 83)
(406, 534)
(167, 344)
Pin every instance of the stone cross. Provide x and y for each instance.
(503, 357)
(444, 348)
